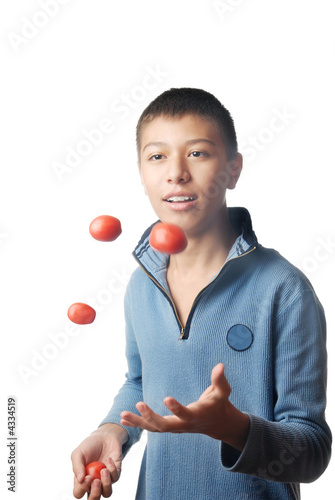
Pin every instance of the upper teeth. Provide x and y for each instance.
(181, 198)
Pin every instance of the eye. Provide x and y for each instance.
(155, 157)
(198, 154)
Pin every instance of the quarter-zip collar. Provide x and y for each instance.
(156, 263)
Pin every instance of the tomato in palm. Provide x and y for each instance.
(80, 313)
(105, 228)
(94, 468)
(168, 238)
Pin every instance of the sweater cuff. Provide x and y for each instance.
(239, 461)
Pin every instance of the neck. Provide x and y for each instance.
(207, 251)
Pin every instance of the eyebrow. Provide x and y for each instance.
(188, 143)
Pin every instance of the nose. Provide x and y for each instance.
(178, 171)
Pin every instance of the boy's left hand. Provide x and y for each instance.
(212, 414)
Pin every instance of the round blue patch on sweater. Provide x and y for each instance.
(240, 338)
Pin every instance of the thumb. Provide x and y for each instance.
(114, 465)
(78, 465)
(219, 381)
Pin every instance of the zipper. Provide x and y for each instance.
(170, 299)
(189, 318)
(182, 333)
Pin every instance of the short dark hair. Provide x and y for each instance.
(177, 102)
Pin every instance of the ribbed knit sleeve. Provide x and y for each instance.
(131, 391)
(295, 447)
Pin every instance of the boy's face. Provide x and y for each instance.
(185, 172)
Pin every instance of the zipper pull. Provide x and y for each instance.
(181, 336)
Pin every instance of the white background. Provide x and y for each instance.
(67, 71)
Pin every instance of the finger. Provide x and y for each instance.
(78, 465)
(168, 423)
(149, 420)
(177, 408)
(153, 420)
(219, 380)
(79, 489)
(106, 483)
(131, 420)
(95, 492)
(114, 467)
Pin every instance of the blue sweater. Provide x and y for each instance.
(261, 318)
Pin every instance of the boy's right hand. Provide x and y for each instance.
(105, 445)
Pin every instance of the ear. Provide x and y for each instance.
(234, 168)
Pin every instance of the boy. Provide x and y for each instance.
(228, 332)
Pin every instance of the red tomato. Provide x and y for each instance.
(168, 238)
(94, 468)
(80, 313)
(105, 228)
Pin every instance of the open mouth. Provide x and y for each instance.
(180, 199)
